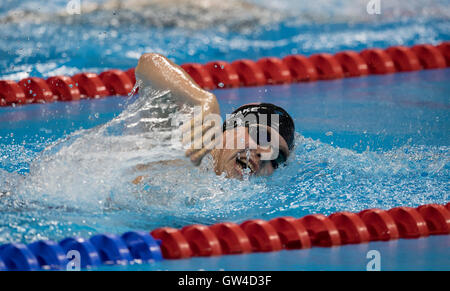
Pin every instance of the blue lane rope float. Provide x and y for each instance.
(142, 246)
(89, 256)
(49, 254)
(17, 257)
(108, 249)
(112, 249)
(2, 265)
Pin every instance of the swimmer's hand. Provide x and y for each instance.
(201, 136)
(159, 73)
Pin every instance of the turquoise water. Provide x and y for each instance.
(66, 167)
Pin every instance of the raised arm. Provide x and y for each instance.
(160, 73)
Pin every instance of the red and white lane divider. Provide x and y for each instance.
(254, 235)
(220, 74)
(339, 228)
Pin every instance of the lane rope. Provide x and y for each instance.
(240, 73)
(227, 238)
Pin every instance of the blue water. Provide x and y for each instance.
(377, 141)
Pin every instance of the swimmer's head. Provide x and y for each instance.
(257, 138)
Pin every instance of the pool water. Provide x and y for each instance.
(378, 141)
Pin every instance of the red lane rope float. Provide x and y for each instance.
(117, 82)
(232, 238)
(275, 71)
(404, 58)
(380, 224)
(220, 74)
(436, 217)
(378, 61)
(301, 68)
(293, 234)
(351, 228)
(36, 90)
(90, 85)
(130, 73)
(322, 230)
(409, 222)
(200, 75)
(352, 64)
(223, 74)
(327, 66)
(429, 56)
(202, 240)
(64, 88)
(444, 48)
(262, 235)
(173, 244)
(11, 93)
(340, 228)
(249, 73)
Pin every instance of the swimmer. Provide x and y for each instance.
(244, 125)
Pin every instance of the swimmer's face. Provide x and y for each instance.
(234, 161)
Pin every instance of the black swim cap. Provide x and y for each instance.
(285, 127)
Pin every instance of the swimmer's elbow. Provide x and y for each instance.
(148, 69)
(149, 58)
(153, 67)
(147, 61)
